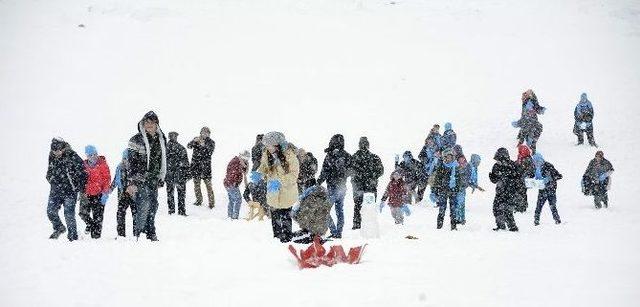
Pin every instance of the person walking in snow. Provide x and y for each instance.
(279, 167)
(449, 137)
(367, 168)
(203, 147)
(395, 196)
(96, 190)
(530, 127)
(520, 200)
(469, 177)
(411, 171)
(256, 189)
(427, 159)
(447, 183)
(336, 167)
(147, 157)
(178, 174)
(434, 135)
(596, 180)
(308, 170)
(583, 115)
(124, 199)
(66, 177)
(505, 175)
(236, 172)
(546, 172)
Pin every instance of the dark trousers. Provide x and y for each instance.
(544, 196)
(171, 202)
(358, 196)
(504, 216)
(600, 195)
(146, 208)
(422, 186)
(281, 224)
(57, 200)
(581, 132)
(93, 215)
(305, 184)
(442, 205)
(125, 201)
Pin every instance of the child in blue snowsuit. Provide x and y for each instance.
(546, 172)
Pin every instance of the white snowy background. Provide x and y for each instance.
(385, 69)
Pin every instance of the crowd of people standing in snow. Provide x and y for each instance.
(283, 181)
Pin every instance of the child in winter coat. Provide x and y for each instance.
(124, 199)
(546, 172)
(469, 177)
(395, 195)
(236, 171)
(596, 180)
(583, 115)
(96, 190)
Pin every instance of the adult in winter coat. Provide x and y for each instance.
(256, 189)
(146, 173)
(596, 180)
(530, 127)
(520, 201)
(236, 172)
(312, 215)
(449, 137)
(447, 184)
(434, 135)
(66, 177)
(308, 170)
(280, 169)
(411, 170)
(465, 178)
(546, 172)
(203, 147)
(124, 199)
(428, 160)
(336, 167)
(96, 191)
(178, 174)
(395, 196)
(505, 174)
(367, 168)
(583, 115)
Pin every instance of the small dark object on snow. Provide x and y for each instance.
(81, 25)
(410, 237)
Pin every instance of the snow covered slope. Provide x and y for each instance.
(88, 71)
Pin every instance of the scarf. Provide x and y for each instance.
(118, 177)
(452, 177)
(474, 175)
(539, 172)
(432, 165)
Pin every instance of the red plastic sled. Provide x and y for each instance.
(316, 255)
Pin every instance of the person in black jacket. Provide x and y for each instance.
(411, 170)
(203, 147)
(336, 167)
(505, 174)
(308, 170)
(177, 174)
(447, 183)
(67, 177)
(546, 172)
(146, 173)
(367, 168)
(596, 180)
(256, 189)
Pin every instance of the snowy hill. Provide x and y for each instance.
(88, 71)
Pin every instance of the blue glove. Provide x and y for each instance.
(104, 198)
(546, 180)
(406, 210)
(603, 177)
(273, 186)
(295, 207)
(515, 124)
(255, 177)
(382, 203)
(433, 198)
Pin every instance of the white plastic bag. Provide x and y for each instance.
(369, 227)
(532, 183)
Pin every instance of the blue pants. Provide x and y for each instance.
(147, 206)
(56, 200)
(543, 196)
(336, 197)
(235, 199)
(460, 200)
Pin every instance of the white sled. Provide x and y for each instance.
(532, 183)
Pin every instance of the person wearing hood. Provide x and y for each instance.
(411, 171)
(505, 175)
(546, 172)
(178, 174)
(336, 167)
(367, 169)
(469, 177)
(449, 137)
(279, 167)
(203, 147)
(312, 214)
(529, 125)
(524, 161)
(66, 177)
(96, 191)
(308, 170)
(447, 184)
(395, 196)
(147, 158)
(124, 199)
(583, 115)
(236, 173)
(596, 180)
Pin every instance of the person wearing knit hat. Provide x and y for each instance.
(96, 191)
(447, 183)
(203, 147)
(583, 115)
(67, 178)
(236, 174)
(449, 137)
(178, 174)
(547, 173)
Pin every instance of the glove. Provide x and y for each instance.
(382, 204)
(255, 176)
(406, 210)
(545, 180)
(515, 124)
(603, 177)
(104, 198)
(273, 186)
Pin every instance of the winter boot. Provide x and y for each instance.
(56, 233)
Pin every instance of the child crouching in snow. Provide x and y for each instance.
(311, 214)
(396, 192)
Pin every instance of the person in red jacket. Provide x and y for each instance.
(236, 171)
(395, 196)
(96, 190)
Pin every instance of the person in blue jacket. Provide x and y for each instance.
(546, 172)
(529, 125)
(583, 115)
(449, 137)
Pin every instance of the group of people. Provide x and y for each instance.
(282, 179)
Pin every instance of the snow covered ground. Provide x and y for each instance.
(384, 69)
